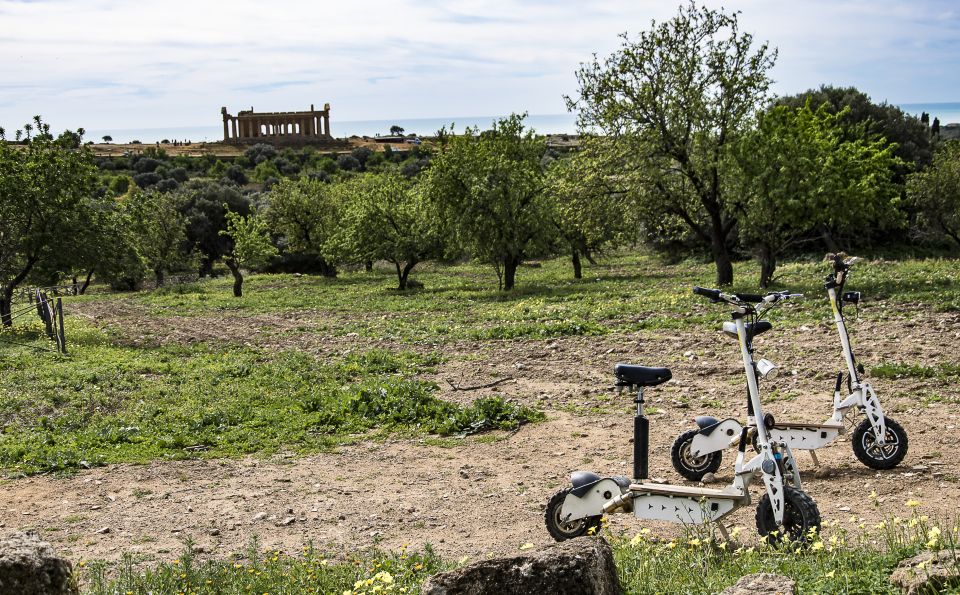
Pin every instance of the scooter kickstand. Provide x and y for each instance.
(813, 455)
(723, 531)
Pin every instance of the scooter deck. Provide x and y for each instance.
(661, 489)
(801, 425)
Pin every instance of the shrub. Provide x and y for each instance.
(145, 180)
(348, 163)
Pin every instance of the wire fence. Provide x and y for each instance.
(50, 311)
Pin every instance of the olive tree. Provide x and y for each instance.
(678, 96)
(935, 193)
(490, 187)
(160, 227)
(588, 206)
(305, 213)
(800, 175)
(386, 217)
(249, 245)
(47, 189)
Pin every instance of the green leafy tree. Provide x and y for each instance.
(250, 245)
(490, 187)
(202, 202)
(396, 130)
(800, 174)
(46, 192)
(107, 138)
(387, 218)
(677, 97)
(160, 229)
(587, 206)
(305, 213)
(935, 193)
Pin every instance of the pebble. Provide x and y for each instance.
(259, 516)
(708, 478)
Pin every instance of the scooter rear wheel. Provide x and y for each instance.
(562, 531)
(876, 456)
(800, 515)
(688, 465)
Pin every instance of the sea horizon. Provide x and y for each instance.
(946, 112)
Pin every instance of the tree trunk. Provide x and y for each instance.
(405, 273)
(577, 268)
(76, 286)
(5, 300)
(327, 269)
(158, 274)
(237, 277)
(589, 256)
(368, 266)
(721, 256)
(768, 264)
(510, 264)
(86, 282)
(206, 267)
(828, 240)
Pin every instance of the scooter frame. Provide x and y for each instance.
(716, 435)
(591, 496)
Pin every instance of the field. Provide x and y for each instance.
(342, 415)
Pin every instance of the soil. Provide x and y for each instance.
(485, 494)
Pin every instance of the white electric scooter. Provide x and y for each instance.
(878, 441)
(784, 512)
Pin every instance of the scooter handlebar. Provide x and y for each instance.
(713, 294)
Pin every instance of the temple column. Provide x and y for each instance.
(326, 124)
(226, 131)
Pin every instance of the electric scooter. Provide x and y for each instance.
(783, 512)
(878, 441)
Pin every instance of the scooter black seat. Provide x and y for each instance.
(753, 328)
(641, 375)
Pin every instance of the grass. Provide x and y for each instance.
(904, 370)
(108, 403)
(840, 560)
(627, 292)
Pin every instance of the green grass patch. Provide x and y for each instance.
(854, 559)
(626, 292)
(109, 404)
(906, 370)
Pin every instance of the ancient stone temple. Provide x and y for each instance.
(277, 127)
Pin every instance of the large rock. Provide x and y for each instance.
(927, 572)
(763, 583)
(28, 566)
(582, 566)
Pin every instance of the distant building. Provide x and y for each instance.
(277, 127)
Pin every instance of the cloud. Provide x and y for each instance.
(111, 63)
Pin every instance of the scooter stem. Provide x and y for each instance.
(641, 439)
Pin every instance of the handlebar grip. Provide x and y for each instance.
(751, 298)
(713, 294)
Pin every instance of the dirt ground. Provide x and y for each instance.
(485, 494)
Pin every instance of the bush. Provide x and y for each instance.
(146, 180)
(179, 174)
(167, 185)
(348, 163)
(235, 174)
(119, 185)
(361, 154)
(259, 153)
(146, 164)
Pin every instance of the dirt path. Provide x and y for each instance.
(486, 494)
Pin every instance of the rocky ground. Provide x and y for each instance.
(485, 494)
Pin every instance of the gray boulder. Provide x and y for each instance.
(927, 572)
(763, 583)
(29, 566)
(582, 566)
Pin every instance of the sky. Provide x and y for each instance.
(148, 64)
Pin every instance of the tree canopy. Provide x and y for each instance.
(677, 96)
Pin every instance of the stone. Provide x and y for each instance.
(708, 478)
(29, 566)
(927, 572)
(582, 566)
(823, 472)
(763, 583)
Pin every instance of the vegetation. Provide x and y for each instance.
(847, 558)
(674, 100)
(490, 187)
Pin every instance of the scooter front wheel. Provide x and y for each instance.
(562, 531)
(800, 516)
(880, 456)
(688, 465)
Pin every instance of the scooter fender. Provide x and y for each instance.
(591, 499)
(715, 437)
